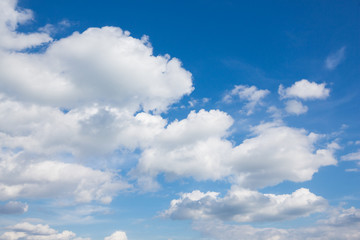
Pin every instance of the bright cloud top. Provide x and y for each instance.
(304, 90)
(100, 65)
(242, 205)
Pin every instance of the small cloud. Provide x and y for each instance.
(250, 94)
(295, 107)
(351, 156)
(118, 235)
(334, 59)
(305, 90)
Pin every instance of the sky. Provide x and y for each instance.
(179, 120)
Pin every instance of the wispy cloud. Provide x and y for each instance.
(334, 59)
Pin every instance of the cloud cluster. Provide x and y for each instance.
(343, 224)
(28, 231)
(197, 147)
(303, 90)
(243, 205)
(85, 96)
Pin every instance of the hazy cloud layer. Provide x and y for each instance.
(343, 224)
(13, 207)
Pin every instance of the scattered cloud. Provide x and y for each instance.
(250, 94)
(295, 107)
(342, 224)
(304, 90)
(334, 59)
(243, 205)
(355, 156)
(29, 231)
(13, 207)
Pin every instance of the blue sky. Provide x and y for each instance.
(179, 120)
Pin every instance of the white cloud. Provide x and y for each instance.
(295, 107)
(305, 90)
(355, 156)
(13, 207)
(118, 235)
(28, 231)
(334, 59)
(104, 66)
(45, 179)
(343, 224)
(250, 94)
(243, 205)
(197, 147)
(10, 18)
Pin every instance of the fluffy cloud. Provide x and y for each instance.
(13, 207)
(118, 235)
(100, 65)
(26, 179)
(85, 96)
(343, 224)
(10, 18)
(250, 94)
(243, 205)
(197, 147)
(295, 107)
(305, 90)
(28, 231)
(334, 59)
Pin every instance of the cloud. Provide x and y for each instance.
(13, 207)
(334, 59)
(243, 205)
(343, 224)
(305, 90)
(197, 147)
(355, 156)
(250, 94)
(118, 235)
(295, 107)
(51, 179)
(84, 97)
(101, 65)
(10, 18)
(28, 231)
